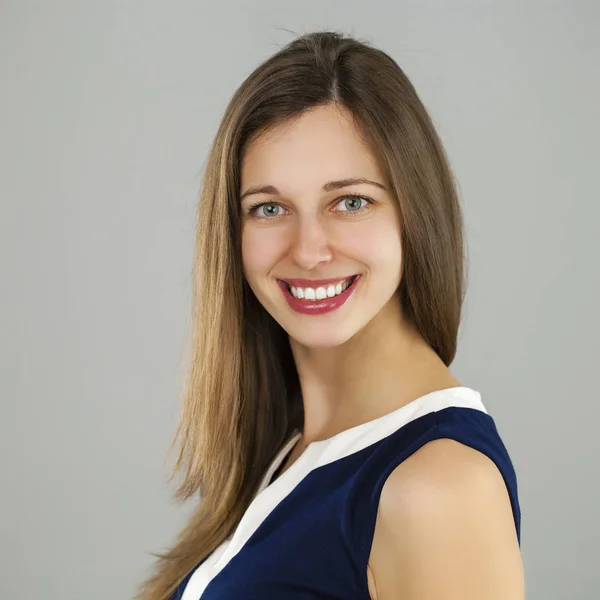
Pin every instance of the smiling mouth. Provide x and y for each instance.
(323, 299)
(321, 292)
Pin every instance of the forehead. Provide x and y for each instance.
(322, 144)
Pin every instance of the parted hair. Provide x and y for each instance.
(241, 389)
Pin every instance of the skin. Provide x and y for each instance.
(364, 360)
(445, 529)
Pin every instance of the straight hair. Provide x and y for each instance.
(242, 396)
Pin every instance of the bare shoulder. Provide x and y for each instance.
(445, 529)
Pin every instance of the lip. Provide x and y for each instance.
(314, 283)
(318, 307)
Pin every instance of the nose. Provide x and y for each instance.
(310, 245)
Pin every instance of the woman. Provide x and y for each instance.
(335, 453)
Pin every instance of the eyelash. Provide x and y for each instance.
(360, 211)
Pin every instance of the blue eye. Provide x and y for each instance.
(270, 204)
(355, 200)
(350, 202)
(265, 216)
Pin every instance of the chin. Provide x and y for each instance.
(319, 336)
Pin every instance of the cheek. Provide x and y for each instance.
(378, 245)
(259, 251)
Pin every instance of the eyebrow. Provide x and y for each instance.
(327, 187)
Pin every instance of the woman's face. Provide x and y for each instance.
(309, 230)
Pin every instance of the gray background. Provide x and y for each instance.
(107, 112)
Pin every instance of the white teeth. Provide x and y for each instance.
(321, 292)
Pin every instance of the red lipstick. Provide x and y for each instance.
(316, 307)
(315, 283)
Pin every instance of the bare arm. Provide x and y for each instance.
(445, 530)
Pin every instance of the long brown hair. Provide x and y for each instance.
(242, 396)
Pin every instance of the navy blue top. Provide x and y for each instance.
(308, 534)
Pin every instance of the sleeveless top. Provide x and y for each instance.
(308, 534)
